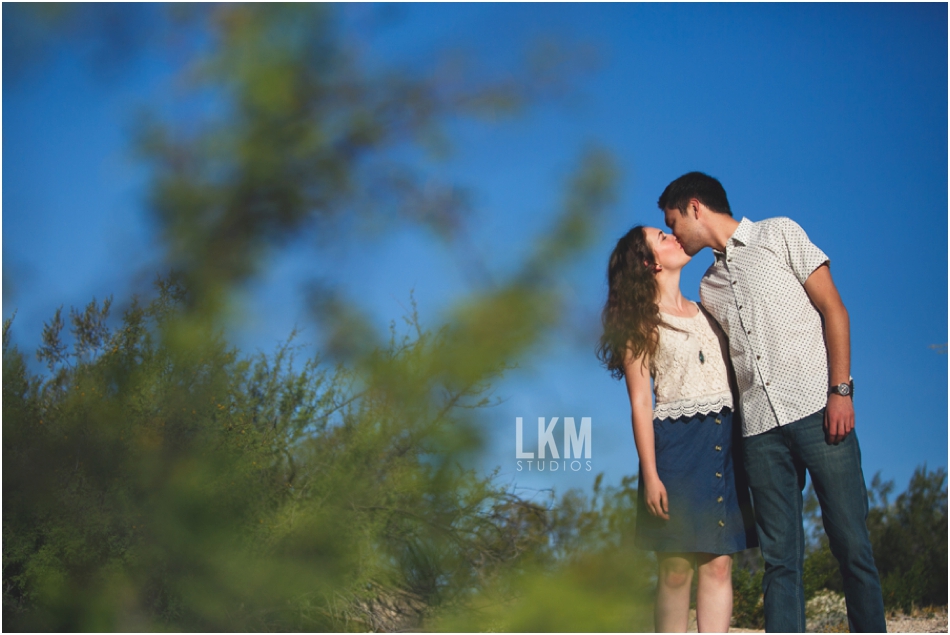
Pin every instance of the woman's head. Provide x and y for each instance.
(667, 251)
(645, 251)
(631, 316)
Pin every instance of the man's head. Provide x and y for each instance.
(687, 203)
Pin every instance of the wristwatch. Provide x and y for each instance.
(845, 390)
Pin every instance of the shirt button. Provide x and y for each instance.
(733, 282)
(740, 307)
(719, 500)
(758, 357)
(718, 475)
(768, 383)
(749, 332)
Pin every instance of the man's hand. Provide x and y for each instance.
(839, 418)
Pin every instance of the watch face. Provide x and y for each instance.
(844, 390)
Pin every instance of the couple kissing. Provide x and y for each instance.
(732, 399)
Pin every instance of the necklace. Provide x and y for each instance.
(702, 358)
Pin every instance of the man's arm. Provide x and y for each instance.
(839, 414)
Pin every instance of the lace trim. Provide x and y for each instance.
(690, 407)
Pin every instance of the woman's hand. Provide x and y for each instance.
(656, 500)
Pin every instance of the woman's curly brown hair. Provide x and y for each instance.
(631, 316)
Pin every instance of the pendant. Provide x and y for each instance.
(702, 360)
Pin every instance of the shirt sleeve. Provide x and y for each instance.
(803, 255)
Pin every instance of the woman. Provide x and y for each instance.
(693, 503)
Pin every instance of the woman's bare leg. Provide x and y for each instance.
(713, 593)
(671, 612)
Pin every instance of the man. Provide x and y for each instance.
(770, 289)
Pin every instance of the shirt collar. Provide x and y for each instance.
(739, 237)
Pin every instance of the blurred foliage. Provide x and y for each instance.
(276, 126)
(148, 487)
(155, 479)
(303, 138)
(592, 578)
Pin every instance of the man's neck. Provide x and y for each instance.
(721, 229)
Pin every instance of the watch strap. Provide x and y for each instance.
(834, 390)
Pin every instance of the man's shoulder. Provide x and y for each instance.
(776, 224)
(786, 239)
(775, 232)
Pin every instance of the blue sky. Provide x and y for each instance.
(832, 114)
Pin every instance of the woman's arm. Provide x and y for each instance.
(637, 374)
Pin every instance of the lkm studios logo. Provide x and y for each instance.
(575, 444)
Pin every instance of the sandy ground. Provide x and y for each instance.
(923, 621)
(934, 621)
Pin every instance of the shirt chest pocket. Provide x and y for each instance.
(762, 276)
(717, 291)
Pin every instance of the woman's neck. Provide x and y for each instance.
(668, 293)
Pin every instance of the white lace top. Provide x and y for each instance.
(689, 372)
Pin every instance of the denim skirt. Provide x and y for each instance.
(709, 503)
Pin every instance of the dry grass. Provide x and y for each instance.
(931, 619)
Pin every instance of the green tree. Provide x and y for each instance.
(155, 479)
(148, 488)
(910, 540)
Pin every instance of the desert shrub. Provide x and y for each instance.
(155, 478)
(747, 608)
(151, 484)
(825, 612)
(821, 570)
(909, 537)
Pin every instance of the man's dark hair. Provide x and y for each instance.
(696, 185)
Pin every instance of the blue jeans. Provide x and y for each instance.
(776, 462)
